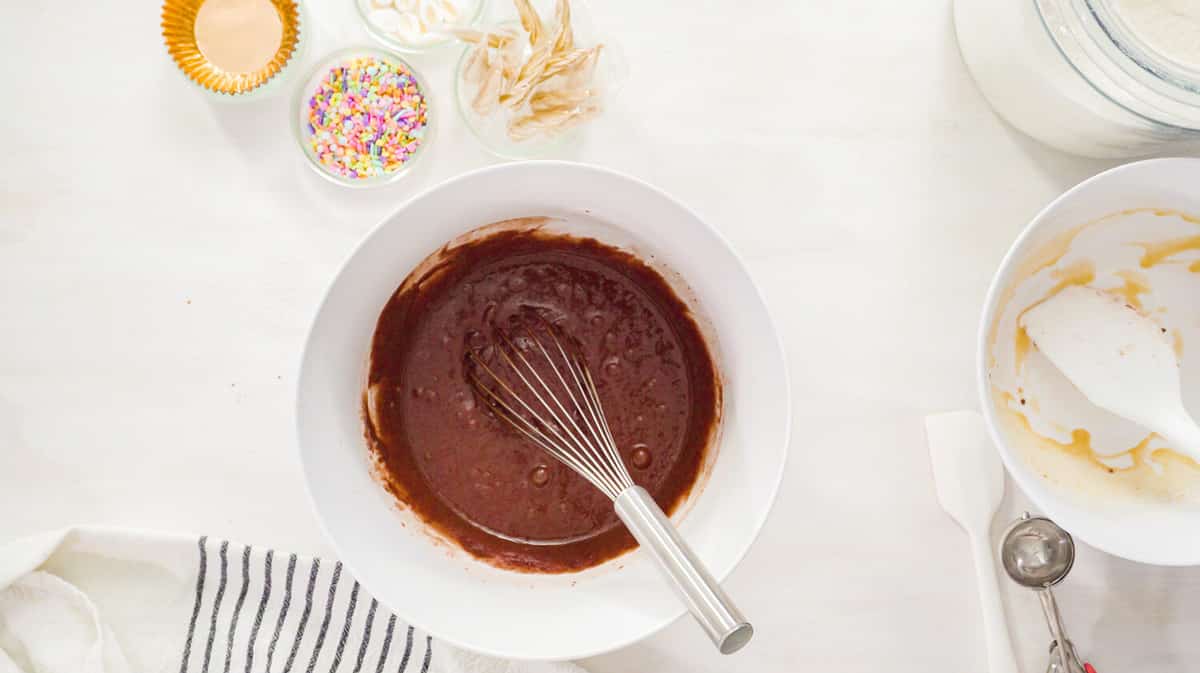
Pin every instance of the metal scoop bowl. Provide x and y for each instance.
(1037, 554)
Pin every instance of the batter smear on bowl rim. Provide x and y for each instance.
(442, 452)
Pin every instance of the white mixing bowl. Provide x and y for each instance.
(1156, 533)
(443, 590)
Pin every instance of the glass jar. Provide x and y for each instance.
(1076, 75)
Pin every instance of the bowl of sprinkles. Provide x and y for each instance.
(363, 117)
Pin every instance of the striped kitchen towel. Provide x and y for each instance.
(97, 600)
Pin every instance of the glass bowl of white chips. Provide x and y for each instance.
(415, 26)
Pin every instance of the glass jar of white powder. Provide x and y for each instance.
(1100, 78)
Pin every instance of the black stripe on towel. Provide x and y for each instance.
(187, 644)
(428, 654)
(237, 607)
(212, 626)
(234, 618)
(262, 608)
(366, 639)
(312, 584)
(407, 651)
(333, 583)
(387, 643)
(341, 646)
(283, 609)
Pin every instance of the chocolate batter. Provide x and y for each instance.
(466, 473)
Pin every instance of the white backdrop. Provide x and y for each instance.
(161, 255)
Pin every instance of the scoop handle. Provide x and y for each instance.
(705, 599)
(1054, 620)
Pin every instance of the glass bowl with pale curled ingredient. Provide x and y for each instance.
(525, 87)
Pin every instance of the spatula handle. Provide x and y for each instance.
(1181, 431)
(999, 645)
(705, 599)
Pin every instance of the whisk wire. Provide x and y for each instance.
(599, 422)
(612, 443)
(578, 437)
(590, 412)
(531, 430)
(553, 428)
(585, 453)
(593, 450)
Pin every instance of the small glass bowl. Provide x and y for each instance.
(300, 117)
(473, 9)
(612, 72)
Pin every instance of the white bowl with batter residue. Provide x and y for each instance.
(1133, 231)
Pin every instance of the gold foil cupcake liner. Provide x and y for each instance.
(178, 26)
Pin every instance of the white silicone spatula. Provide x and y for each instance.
(1118, 358)
(970, 485)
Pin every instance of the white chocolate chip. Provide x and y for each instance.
(415, 21)
(409, 27)
(385, 19)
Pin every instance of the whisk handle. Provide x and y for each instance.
(705, 599)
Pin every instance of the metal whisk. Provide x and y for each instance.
(543, 389)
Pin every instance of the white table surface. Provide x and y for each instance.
(161, 255)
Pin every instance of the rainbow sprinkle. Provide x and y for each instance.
(367, 117)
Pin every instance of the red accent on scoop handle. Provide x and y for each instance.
(1089, 668)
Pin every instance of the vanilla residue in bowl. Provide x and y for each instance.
(1151, 259)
